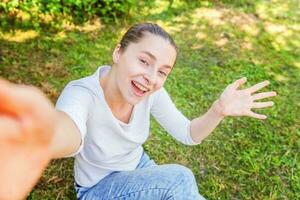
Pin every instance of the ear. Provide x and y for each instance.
(117, 53)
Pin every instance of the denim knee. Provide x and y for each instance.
(182, 174)
(184, 184)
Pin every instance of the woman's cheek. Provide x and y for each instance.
(160, 84)
(139, 69)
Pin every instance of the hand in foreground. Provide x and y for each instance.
(26, 129)
(235, 102)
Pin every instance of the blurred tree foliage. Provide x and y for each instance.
(54, 12)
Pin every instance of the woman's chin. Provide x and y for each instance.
(133, 99)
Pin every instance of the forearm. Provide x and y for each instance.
(202, 126)
(66, 139)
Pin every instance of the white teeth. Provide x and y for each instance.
(140, 86)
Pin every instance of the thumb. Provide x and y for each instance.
(236, 84)
(13, 100)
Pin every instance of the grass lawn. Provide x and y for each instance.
(219, 42)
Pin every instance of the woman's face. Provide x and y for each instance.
(143, 67)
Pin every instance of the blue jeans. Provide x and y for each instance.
(148, 181)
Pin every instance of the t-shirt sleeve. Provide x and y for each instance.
(76, 101)
(170, 118)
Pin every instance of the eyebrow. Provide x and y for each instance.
(154, 58)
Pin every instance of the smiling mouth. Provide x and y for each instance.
(139, 89)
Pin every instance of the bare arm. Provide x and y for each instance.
(66, 138)
(72, 111)
(202, 126)
(26, 131)
(31, 134)
(232, 102)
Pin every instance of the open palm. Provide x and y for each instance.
(26, 128)
(236, 102)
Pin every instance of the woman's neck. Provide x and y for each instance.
(112, 94)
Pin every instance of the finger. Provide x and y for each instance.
(262, 104)
(263, 95)
(257, 116)
(10, 99)
(258, 86)
(15, 99)
(236, 84)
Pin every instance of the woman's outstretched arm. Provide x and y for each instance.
(66, 138)
(31, 134)
(232, 102)
(26, 130)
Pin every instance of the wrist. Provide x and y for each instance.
(217, 108)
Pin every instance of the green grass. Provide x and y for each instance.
(219, 42)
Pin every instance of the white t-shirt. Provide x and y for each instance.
(109, 144)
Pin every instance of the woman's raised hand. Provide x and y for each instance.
(26, 130)
(240, 102)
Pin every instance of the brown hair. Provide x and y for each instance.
(136, 32)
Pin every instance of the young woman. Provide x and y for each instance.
(104, 119)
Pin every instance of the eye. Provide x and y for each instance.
(162, 73)
(144, 62)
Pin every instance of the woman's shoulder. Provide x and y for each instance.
(158, 95)
(90, 82)
(160, 92)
